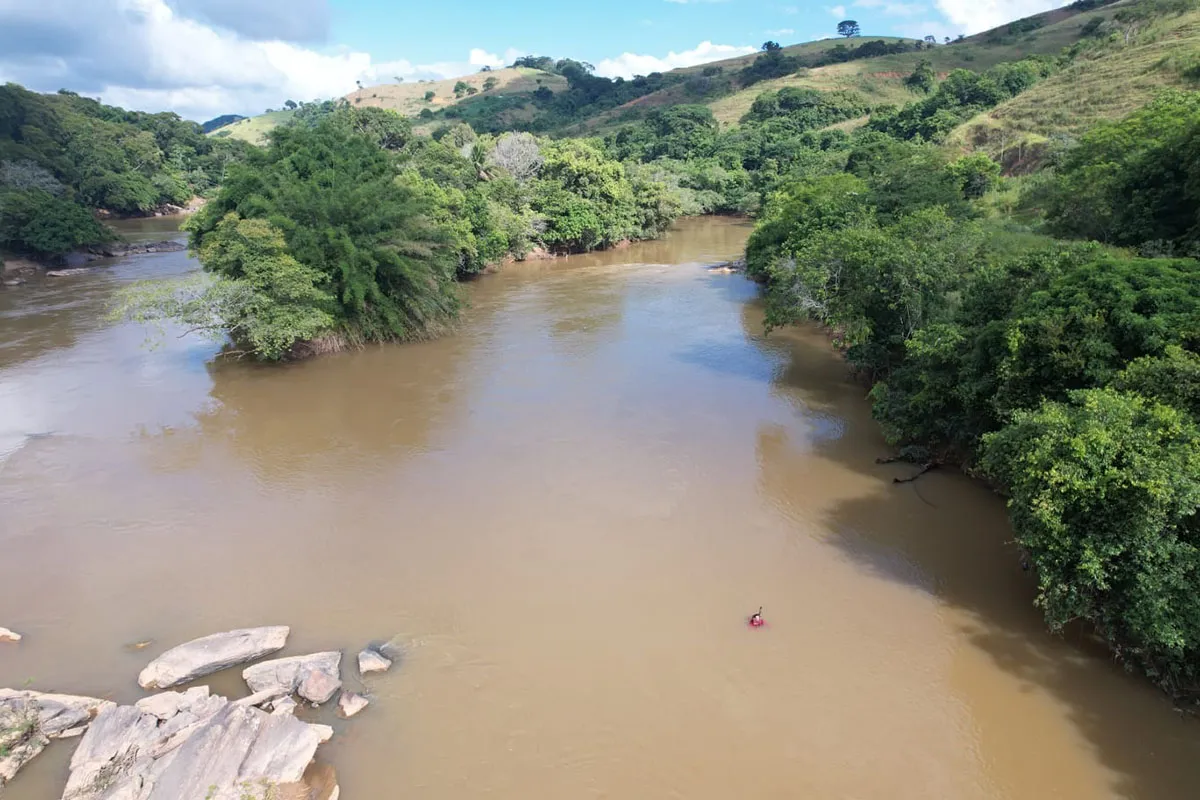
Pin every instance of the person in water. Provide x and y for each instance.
(756, 619)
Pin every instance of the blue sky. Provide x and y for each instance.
(203, 58)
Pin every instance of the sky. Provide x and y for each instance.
(204, 58)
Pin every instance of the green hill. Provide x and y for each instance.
(1123, 53)
(410, 100)
(254, 129)
(1136, 50)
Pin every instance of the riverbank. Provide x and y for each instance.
(577, 627)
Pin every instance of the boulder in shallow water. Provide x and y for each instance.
(350, 704)
(9, 636)
(285, 675)
(208, 748)
(212, 653)
(60, 716)
(21, 739)
(284, 705)
(317, 686)
(370, 660)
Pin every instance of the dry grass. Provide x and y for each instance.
(409, 98)
(1108, 85)
(255, 129)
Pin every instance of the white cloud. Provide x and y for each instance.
(627, 65)
(973, 16)
(891, 8)
(144, 54)
(781, 32)
(837, 11)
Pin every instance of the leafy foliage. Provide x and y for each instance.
(1134, 181)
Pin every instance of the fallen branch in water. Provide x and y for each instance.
(932, 465)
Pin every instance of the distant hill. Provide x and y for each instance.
(1125, 51)
(254, 129)
(409, 98)
(219, 122)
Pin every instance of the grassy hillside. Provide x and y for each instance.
(1111, 79)
(1121, 66)
(254, 129)
(409, 98)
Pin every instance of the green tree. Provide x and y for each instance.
(848, 28)
(1105, 490)
(976, 174)
(490, 83)
(332, 191)
(922, 79)
(429, 95)
(42, 224)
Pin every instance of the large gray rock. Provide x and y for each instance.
(316, 673)
(60, 716)
(210, 654)
(178, 746)
(21, 740)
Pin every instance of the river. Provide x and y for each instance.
(566, 510)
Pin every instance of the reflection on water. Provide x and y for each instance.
(565, 509)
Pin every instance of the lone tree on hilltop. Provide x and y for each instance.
(931, 39)
(848, 28)
(770, 47)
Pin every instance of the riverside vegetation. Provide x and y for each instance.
(1040, 329)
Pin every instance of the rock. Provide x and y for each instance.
(350, 704)
(286, 674)
(119, 249)
(9, 636)
(14, 281)
(209, 748)
(284, 705)
(317, 686)
(210, 654)
(325, 732)
(67, 273)
(21, 739)
(729, 267)
(372, 661)
(168, 704)
(59, 713)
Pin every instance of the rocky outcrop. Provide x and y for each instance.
(59, 716)
(212, 653)
(350, 704)
(370, 660)
(9, 636)
(122, 249)
(20, 738)
(315, 677)
(191, 745)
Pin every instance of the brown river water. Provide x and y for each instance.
(565, 510)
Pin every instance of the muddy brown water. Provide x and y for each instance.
(565, 511)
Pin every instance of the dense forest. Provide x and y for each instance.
(1065, 370)
(350, 228)
(63, 157)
